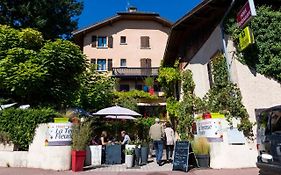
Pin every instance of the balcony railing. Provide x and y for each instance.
(135, 72)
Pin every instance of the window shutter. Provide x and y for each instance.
(144, 41)
(109, 64)
(94, 41)
(110, 42)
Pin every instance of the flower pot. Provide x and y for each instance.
(78, 159)
(137, 156)
(129, 159)
(151, 91)
(144, 155)
(203, 161)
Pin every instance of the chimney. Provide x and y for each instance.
(132, 9)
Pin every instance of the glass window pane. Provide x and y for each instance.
(101, 64)
(123, 62)
(102, 41)
(276, 121)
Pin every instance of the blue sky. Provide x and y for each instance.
(97, 10)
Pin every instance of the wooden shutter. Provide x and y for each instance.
(143, 63)
(148, 63)
(109, 64)
(94, 41)
(144, 42)
(110, 42)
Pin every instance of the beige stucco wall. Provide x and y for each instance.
(198, 64)
(132, 52)
(39, 155)
(257, 91)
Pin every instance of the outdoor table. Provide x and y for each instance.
(113, 154)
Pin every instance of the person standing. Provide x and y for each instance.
(126, 138)
(156, 133)
(170, 140)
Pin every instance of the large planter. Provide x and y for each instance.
(203, 161)
(144, 155)
(78, 159)
(129, 159)
(137, 156)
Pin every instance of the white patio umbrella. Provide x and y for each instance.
(116, 111)
(121, 117)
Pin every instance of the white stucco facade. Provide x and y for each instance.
(257, 92)
(39, 155)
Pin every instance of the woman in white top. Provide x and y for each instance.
(170, 140)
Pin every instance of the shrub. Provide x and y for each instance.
(201, 146)
(20, 124)
(81, 135)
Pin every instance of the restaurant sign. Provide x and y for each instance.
(246, 38)
(59, 134)
(246, 13)
(211, 128)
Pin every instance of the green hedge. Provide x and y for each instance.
(21, 124)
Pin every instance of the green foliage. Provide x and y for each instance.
(21, 124)
(264, 55)
(201, 146)
(168, 77)
(188, 84)
(81, 136)
(96, 90)
(5, 138)
(144, 124)
(225, 97)
(172, 106)
(54, 19)
(37, 72)
(149, 81)
(131, 98)
(129, 151)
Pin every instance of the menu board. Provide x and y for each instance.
(181, 156)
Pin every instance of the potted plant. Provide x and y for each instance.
(129, 157)
(149, 81)
(81, 135)
(137, 151)
(201, 149)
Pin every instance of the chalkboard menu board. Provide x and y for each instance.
(182, 155)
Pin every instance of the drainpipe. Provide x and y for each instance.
(228, 60)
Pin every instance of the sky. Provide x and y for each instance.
(98, 10)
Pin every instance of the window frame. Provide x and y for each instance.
(104, 38)
(145, 42)
(123, 59)
(123, 43)
(98, 65)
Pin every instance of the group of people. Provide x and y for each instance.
(104, 139)
(162, 134)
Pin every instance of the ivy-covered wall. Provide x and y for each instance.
(264, 55)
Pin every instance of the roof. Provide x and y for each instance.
(188, 34)
(125, 16)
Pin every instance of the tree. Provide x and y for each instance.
(53, 18)
(37, 72)
(96, 90)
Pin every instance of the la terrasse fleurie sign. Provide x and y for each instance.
(246, 13)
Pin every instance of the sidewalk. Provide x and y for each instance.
(30, 171)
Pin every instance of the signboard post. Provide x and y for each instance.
(59, 134)
(246, 13)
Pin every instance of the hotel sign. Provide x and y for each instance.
(246, 38)
(246, 13)
(59, 134)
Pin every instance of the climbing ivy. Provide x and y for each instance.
(263, 56)
(225, 97)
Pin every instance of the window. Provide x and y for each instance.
(145, 62)
(94, 41)
(276, 121)
(123, 40)
(123, 63)
(109, 64)
(93, 61)
(101, 65)
(145, 42)
(124, 87)
(102, 41)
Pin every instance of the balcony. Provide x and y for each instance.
(135, 72)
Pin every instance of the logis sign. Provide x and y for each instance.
(246, 13)
(59, 134)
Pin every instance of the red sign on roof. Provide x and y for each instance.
(246, 13)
